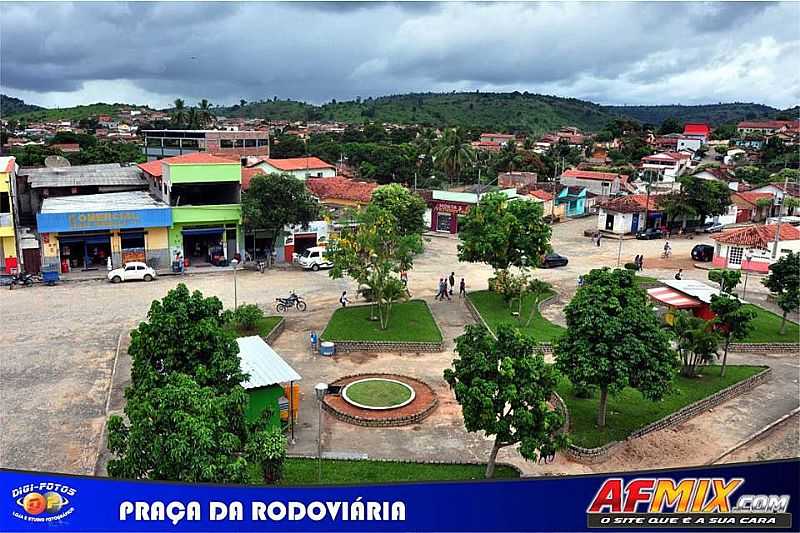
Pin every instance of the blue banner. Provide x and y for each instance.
(104, 220)
(739, 497)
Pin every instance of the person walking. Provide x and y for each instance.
(452, 281)
(678, 274)
(640, 263)
(439, 290)
(599, 236)
(443, 289)
(667, 250)
(462, 289)
(343, 299)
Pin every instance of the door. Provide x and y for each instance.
(129, 273)
(443, 222)
(609, 222)
(635, 222)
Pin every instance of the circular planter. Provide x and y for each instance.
(394, 383)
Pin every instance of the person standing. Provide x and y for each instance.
(439, 290)
(343, 299)
(679, 274)
(599, 236)
(452, 281)
(462, 289)
(640, 263)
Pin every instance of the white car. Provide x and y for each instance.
(314, 259)
(134, 270)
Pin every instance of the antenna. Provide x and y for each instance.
(56, 161)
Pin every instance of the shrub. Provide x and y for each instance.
(246, 317)
(267, 448)
(631, 266)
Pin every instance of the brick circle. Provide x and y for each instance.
(425, 401)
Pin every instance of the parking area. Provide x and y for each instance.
(59, 345)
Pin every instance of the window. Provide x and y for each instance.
(139, 267)
(250, 143)
(735, 256)
(130, 268)
(5, 203)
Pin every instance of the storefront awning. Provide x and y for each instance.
(673, 298)
(203, 231)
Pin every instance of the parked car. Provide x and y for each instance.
(134, 270)
(703, 253)
(314, 259)
(554, 260)
(649, 233)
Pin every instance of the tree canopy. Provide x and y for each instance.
(784, 280)
(733, 321)
(407, 208)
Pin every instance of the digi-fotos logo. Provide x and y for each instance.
(45, 501)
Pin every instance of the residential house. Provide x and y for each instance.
(516, 179)
(752, 206)
(301, 168)
(498, 138)
(754, 247)
(690, 144)
(486, 146)
(721, 174)
(550, 210)
(665, 166)
(698, 131)
(598, 183)
(627, 214)
(67, 148)
(8, 244)
(576, 200)
(781, 190)
(765, 127)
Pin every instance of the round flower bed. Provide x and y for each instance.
(378, 393)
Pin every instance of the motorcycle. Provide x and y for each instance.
(261, 265)
(22, 279)
(292, 301)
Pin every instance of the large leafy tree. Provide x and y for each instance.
(275, 201)
(784, 280)
(504, 385)
(503, 233)
(696, 342)
(695, 198)
(373, 253)
(614, 339)
(733, 321)
(453, 153)
(408, 208)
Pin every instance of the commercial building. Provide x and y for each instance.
(159, 144)
(752, 247)
(683, 295)
(447, 207)
(82, 232)
(626, 214)
(698, 131)
(8, 245)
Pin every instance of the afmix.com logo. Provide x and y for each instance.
(45, 501)
(691, 503)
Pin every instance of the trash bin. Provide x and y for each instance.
(327, 348)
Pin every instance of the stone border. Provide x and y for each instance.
(346, 346)
(415, 461)
(276, 331)
(598, 455)
(545, 347)
(388, 420)
(769, 347)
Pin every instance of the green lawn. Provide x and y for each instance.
(304, 472)
(766, 327)
(495, 311)
(644, 280)
(264, 326)
(378, 393)
(629, 410)
(410, 321)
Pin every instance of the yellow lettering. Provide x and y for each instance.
(667, 494)
(722, 492)
(700, 495)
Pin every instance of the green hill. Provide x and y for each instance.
(714, 114)
(12, 106)
(64, 113)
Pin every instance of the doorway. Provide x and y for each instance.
(203, 247)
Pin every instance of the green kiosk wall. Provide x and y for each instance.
(264, 398)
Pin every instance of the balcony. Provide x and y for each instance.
(199, 214)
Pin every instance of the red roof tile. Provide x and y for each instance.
(66, 147)
(297, 163)
(198, 158)
(541, 195)
(593, 175)
(247, 175)
(152, 167)
(696, 129)
(750, 197)
(632, 203)
(339, 188)
(768, 124)
(757, 236)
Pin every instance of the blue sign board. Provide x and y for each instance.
(104, 220)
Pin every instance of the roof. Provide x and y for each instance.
(749, 197)
(247, 175)
(263, 364)
(633, 203)
(766, 124)
(667, 156)
(673, 298)
(111, 174)
(757, 236)
(198, 158)
(692, 288)
(696, 129)
(592, 175)
(499, 135)
(152, 167)
(340, 188)
(117, 201)
(66, 147)
(541, 195)
(297, 163)
(7, 164)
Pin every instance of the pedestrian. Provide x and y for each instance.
(442, 289)
(343, 299)
(667, 250)
(462, 288)
(452, 281)
(678, 274)
(641, 262)
(599, 236)
(108, 264)
(580, 281)
(439, 290)
(404, 278)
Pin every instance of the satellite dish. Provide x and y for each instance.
(56, 161)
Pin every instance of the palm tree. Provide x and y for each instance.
(426, 141)
(204, 114)
(453, 153)
(179, 115)
(193, 118)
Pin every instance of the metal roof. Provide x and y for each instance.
(690, 287)
(263, 364)
(102, 175)
(111, 201)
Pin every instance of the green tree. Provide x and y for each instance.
(267, 449)
(784, 280)
(724, 132)
(108, 152)
(695, 340)
(503, 233)
(275, 201)
(373, 253)
(753, 175)
(614, 339)
(727, 279)
(504, 385)
(204, 114)
(453, 153)
(733, 321)
(180, 115)
(670, 125)
(408, 208)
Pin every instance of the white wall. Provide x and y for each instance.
(301, 174)
(622, 221)
(689, 144)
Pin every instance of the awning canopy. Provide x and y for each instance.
(263, 364)
(673, 298)
(203, 231)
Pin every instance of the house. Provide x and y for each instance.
(486, 146)
(576, 200)
(721, 174)
(8, 244)
(698, 131)
(598, 183)
(448, 206)
(545, 198)
(690, 144)
(299, 167)
(766, 127)
(340, 192)
(67, 148)
(271, 385)
(752, 206)
(627, 214)
(498, 138)
(665, 166)
(516, 179)
(781, 190)
(754, 247)
(684, 295)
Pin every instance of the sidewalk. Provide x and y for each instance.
(95, 275)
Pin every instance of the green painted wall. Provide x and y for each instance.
(206, 214)
(261, 399)
(176, 235)
(205, 173)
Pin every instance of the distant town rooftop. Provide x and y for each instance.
(111, 174)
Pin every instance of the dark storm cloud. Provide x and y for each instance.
(318, 51)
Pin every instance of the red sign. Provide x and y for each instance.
(458, 209)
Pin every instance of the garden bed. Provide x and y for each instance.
(494, 311)
(410, 322)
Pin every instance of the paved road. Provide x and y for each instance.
(56, 375)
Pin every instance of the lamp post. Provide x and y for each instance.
(319, 391)
(619, 250)
(234, 262)
(748, 258)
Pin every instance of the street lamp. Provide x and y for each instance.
(619, 250)
(748, 258)
(234, 262)
(319, 391)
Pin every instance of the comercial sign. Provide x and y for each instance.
(447, 207)
(104, 220)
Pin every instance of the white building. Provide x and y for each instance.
(299, 167)
(666, 165)
(626, 214)
(752, 247)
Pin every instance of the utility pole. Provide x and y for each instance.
(780, 218)
(553, 201)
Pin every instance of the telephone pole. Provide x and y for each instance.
(780, 218)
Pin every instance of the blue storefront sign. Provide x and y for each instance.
(104, 220)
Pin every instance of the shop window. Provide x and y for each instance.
(735, 256)
(5, 203)
(132, 241)
(443, 222)
(251, 143)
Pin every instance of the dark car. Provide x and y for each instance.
(649, 233)
(554, 260)
(703, 253)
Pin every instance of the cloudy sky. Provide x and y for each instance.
(61, 54)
